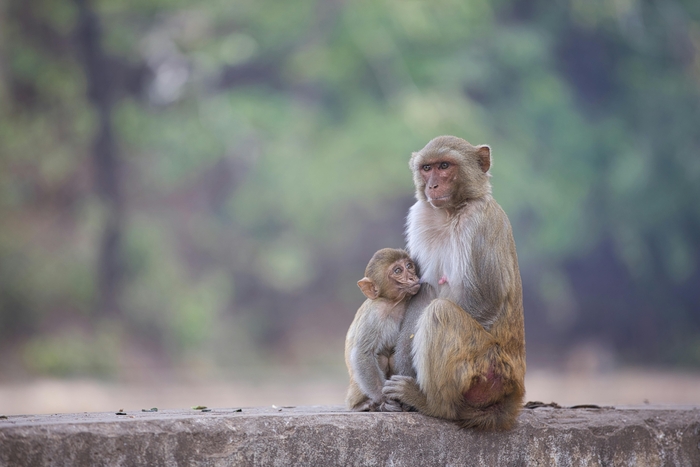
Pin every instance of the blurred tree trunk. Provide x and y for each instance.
(105, 158)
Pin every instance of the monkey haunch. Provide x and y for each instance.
(390, 280)
(461, 349)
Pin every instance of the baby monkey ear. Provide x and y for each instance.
(368, 288)
(483, 155)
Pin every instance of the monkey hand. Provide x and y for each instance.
(396, 387)
(405, 390)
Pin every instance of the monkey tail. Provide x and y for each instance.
(499, 416)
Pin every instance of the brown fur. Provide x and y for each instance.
(461, 349)
(369, 345)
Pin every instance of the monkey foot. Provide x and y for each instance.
(391, 406)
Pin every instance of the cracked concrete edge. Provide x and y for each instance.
(329, 436)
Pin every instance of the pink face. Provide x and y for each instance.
(439, 177)
(403, 273)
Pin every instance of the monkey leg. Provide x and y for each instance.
(461, 372)
(449, 352)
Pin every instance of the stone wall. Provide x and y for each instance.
(330, 436)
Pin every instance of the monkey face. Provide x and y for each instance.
(439, 178)
(390, 274)
(449, 171)
(403, 273)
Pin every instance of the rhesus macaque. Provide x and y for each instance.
(461, 349)
(390, 281)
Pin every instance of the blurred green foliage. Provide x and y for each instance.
(262, 152)
(71, 353)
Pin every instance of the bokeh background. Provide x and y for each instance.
(189, 191)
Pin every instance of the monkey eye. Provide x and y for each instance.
(426, 167)
(397, 270)
(444, 165)
(409, 266)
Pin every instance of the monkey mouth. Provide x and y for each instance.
(413, 289)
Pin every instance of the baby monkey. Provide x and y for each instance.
(390, 280)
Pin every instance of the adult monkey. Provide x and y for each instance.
(461, 348)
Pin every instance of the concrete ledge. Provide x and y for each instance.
(328, 436)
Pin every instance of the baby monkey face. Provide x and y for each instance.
(404, 274)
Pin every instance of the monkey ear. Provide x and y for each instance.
(483, 154)
(367, 286)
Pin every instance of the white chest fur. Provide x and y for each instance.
(441, 244)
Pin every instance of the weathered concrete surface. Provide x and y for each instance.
(328, 436)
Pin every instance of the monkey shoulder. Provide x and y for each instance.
(495, 213)
(494, 231)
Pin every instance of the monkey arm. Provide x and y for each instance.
(365, 363)
(494, 269)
